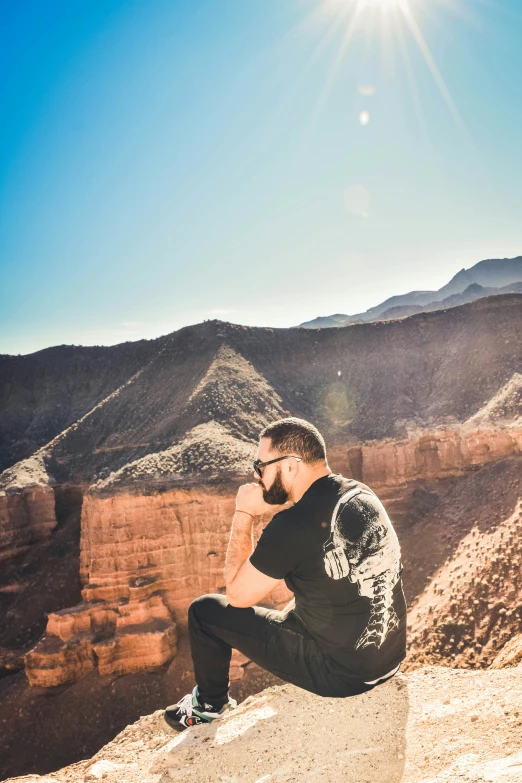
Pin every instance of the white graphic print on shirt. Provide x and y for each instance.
(373, 562)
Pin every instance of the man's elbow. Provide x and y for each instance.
(235, 600)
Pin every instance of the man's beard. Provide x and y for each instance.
(277, 495)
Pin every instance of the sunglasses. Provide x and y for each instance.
(258, 465)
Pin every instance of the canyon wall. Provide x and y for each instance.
(143, 559)
(27, 508)
(434, 454)
(26, 517)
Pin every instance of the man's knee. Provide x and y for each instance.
(206, 606)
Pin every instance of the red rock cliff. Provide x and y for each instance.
(143, 560)
(432, 454)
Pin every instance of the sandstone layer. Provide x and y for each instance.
(433, 726)
(429, 454)
(132, 636)
(26, 517)
(27, 507)
(143, 560)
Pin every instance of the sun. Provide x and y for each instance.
(384, 4)
(390, 23)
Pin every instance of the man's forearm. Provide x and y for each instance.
(240, 545)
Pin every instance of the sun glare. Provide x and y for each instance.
(384, 4)
(391, 23)
(359, 5)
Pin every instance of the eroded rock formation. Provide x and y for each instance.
(120, 638)
(429, 455)
(25, 518)
(143, 560)
(27, 513)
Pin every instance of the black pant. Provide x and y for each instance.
(279, 642)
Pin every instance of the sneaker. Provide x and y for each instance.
(189, 712)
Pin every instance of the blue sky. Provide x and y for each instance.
(167, 161)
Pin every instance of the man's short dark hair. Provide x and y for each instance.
(296, 436)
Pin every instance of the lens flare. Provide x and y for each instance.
(391, 23)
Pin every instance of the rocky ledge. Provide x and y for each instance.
(434, 725)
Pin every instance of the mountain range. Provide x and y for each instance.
(486, 278)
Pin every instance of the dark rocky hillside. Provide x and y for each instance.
(360, 382)
(43, 393)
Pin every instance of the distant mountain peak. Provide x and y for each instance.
(486, 278)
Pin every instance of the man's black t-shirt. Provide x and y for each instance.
(346, 576)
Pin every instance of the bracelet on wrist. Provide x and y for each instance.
(239, 511)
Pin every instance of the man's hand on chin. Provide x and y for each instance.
(249, 498)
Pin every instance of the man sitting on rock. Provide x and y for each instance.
(335, 547)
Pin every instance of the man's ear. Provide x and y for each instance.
(293, 467)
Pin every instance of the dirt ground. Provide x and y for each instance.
(434, 725)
